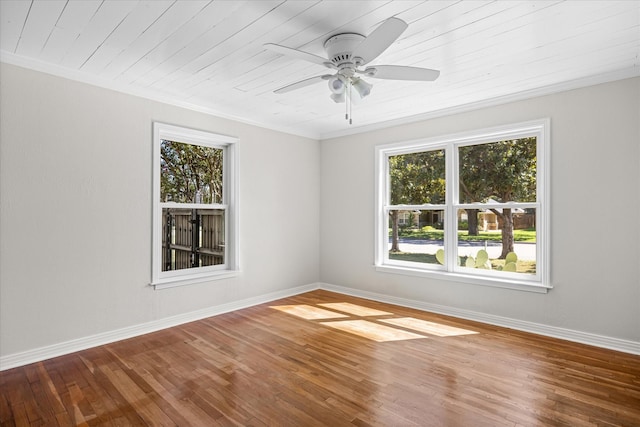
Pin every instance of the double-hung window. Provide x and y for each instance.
(469, 207)
(194, 206)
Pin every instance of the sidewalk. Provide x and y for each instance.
(525, 251)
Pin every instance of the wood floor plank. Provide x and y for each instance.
(263, 366)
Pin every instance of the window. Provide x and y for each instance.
(195, 206)
(478, 204)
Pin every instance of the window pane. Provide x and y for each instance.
(418, 238)
(503, 171)
(417, 178)
(192, 238)
(481, 233)
(190, 173)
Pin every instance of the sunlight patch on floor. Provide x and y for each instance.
(372, 331)
(412, 328)
(309, 312)
(356, 310)
(428, 327)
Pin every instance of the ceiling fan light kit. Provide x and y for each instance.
(362, 87)
(346, 53)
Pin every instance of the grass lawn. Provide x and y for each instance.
(528, 235)
(496, 264)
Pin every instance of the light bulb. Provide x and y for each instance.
(336, 84)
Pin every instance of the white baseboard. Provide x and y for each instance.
(67, 347)
(617, 344)
(43, 353)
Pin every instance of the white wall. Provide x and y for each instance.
(75, 212)
(595, 200)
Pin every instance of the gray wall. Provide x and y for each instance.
(595, 200)
(75, 211)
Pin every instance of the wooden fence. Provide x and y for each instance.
(192, 238)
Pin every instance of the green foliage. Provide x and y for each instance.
(417, 178)
(503, 171)
(187, 170)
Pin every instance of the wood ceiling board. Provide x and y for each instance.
(176, 68)
(74, 19)
(152, 64)
(204, 66)
(468, 39)
(39, 23)
(139, 21)
(253, 57)
(154, 47)
(106, 19)
(13, 16)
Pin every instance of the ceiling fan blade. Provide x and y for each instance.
(302, 83)
(299, 54)
(379, 40)
(399, 72)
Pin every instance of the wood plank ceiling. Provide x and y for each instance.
(209, 55)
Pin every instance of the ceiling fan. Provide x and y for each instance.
(348, 53)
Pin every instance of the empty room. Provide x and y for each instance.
(319, 213)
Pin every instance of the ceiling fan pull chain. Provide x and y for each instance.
(346, 101)
(349, 87)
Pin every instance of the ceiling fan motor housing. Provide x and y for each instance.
(339, 50)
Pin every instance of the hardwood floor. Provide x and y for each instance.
(294, 362)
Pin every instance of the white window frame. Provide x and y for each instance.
(167, 279)
(538, 282)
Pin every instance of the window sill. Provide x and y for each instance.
(191, 279)
(466, 278)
